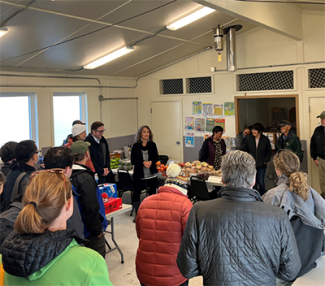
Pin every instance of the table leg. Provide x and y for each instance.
(115, 243)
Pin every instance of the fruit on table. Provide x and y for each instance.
(158, 163)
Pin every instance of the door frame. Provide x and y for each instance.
(180, 118)
(295, 96)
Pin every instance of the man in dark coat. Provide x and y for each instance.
(99, 153)
(259, 147)
(289, 140)
(237, 239)
(317, 151)
(7, 155)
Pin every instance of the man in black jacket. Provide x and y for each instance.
(317, 151)
(259, 147)
(83, 179)
(99, 152)
(27, 156)
(237, 239)
(7, 155)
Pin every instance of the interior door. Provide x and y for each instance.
(316, 105)
(166, 126)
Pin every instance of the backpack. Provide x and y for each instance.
(101, 208)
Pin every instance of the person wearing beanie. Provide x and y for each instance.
(160, 225)
(79, 132)
(65, 141)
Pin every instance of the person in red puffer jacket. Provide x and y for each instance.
(160, 224)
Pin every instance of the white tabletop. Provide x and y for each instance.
(315, 277)
(124, 209)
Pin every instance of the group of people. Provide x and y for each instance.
(240, 238)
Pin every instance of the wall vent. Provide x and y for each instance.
(171, 86)
(199, 84)
(317, 78)
(265, 81)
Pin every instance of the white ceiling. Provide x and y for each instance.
(47, 22)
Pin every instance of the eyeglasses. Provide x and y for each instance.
(101, 131)
(52, 171)
(37, 152)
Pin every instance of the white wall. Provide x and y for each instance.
(119, 116)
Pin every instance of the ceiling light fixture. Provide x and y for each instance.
(198, 14)
(3, 31)
(110, 57)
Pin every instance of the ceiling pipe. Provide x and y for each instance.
(231, 47)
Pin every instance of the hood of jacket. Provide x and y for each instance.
(78, 169)
(311, 211)
(30, 255)
(240, 194)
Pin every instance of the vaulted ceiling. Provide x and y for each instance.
(65, 35)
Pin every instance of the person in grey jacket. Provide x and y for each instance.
(237, 239)
(241, 138)
(303, 205)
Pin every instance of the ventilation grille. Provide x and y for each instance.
(199, 85)
(172, 86)
(317, 78)
(265, 81)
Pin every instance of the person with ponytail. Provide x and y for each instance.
(304, 206)
(41, 250)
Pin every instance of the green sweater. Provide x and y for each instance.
(75, 266)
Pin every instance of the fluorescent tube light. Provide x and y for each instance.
(109, 57)
(198, 14)
(3, 31)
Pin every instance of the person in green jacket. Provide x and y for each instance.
(41, 250)
(289, 140)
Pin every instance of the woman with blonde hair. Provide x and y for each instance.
(40, 250)
(304, 206)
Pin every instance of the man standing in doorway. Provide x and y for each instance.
(289, 140)
(99, 153)
(317, 151)
(259, 147)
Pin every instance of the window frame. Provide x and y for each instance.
(32, 111)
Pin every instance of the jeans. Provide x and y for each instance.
(259, 181)
(96, 243)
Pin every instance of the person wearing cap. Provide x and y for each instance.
(65, 141)
(83, 179)
(289, 140)
(160, 225)
(79, 132)
(317, 151)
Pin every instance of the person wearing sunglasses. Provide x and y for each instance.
(26, 158)
(99, 152)
(41, 250)
(304, 206)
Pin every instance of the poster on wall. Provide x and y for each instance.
(218, 110)
(197, 108)
(206, 136)
(229, 108)
(189, 140)
(209, 124)
(189, 123)
(199, 124)
(220, 122)
(207, 109)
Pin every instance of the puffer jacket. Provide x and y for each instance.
(238, 240)
(160, 223)
(51, 258)
(306, 217)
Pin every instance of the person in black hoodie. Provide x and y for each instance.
(83, 179)
(259, 147)
(99, 153)
(144, 156)
(27, 156)
(7, 155)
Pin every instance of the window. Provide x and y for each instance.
(67, 107)
(18, 117)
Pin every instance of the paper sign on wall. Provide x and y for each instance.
(209, 124)
(221, 122)
(189, 123)
(218, 110)
(189, 140)
(229, 108)
(197, 108)
(207, 109)
(199, 124)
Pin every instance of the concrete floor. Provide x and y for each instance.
(125, 236)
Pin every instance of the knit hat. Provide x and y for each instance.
(175, 179)
(78, 129)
